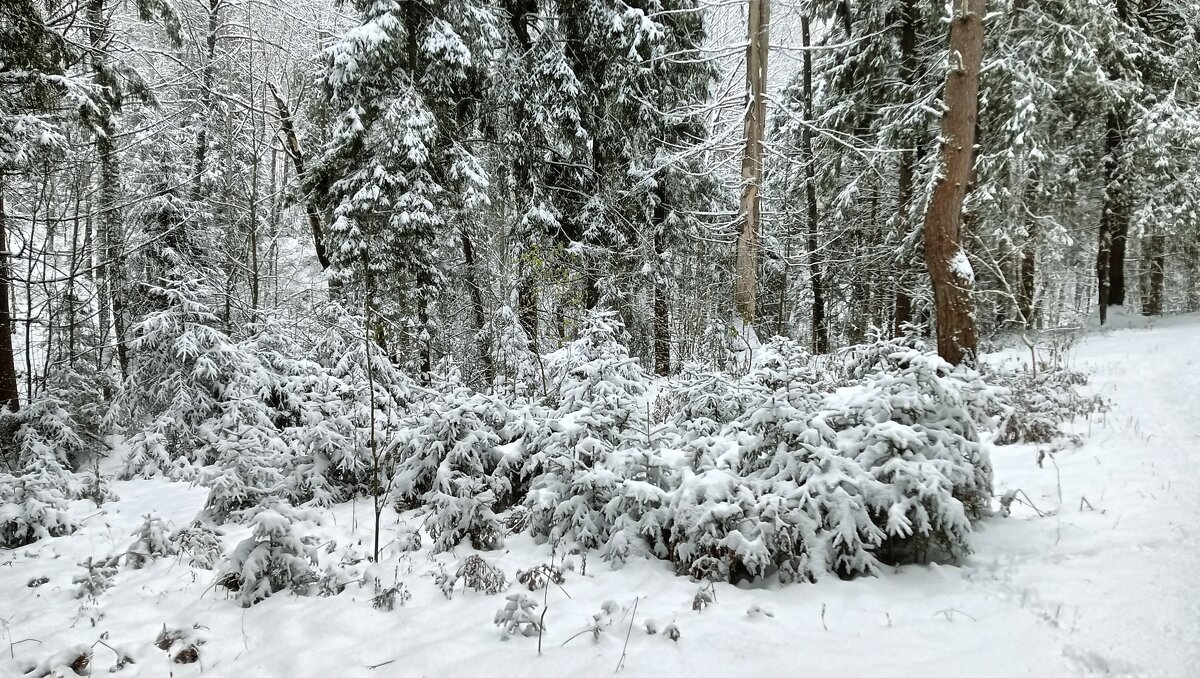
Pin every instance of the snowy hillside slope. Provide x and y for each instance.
(1103, 582)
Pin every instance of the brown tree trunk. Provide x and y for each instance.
(949, 269)
(662, 318)
(745, 274)
(10, 397)
(820, 326)
(1114, 221)
(297, 155)
(904, 178)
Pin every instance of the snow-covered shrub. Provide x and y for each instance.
(96, 578)
(541, 576)
(701, 401)
(708, 515)
(387, 591)
(639, 510)
(750, 512)
(47, 431)
(272, 559)
(1039, 405)
(911, 427)
(599, 387)
(185, 643)
(151, 541)
(201, 544)
(74, 399)
(179, 370)
(336, 438)
(476, 573)
(453, 462)
(519, 615)
(517, 373)
(94, 485)
(33, 505)
(250, 458)
(782, 368)
(68, 663)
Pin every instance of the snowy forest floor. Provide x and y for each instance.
(1104, 583)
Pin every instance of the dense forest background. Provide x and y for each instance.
(432, 252)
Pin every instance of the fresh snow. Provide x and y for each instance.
(1105, 584)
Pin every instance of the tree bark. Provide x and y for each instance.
(477, 309)
(1114, 221)
(110, 280)
(949, 269)
(10, 397)
(906, 171)
(745, 273)
(662, 318)
(820, 326)
(200, 162)
(1025, 294)
(296, 153)
(1155, 247)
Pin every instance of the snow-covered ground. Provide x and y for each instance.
(1105, 584)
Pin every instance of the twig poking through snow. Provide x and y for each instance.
(949, 613)
(625, 647)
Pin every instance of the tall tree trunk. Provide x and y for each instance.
(1155, 247)
(10, 397)
(200, 162)
(949, 269)
(110, 283)
(478, 312)
(745, 273)
(662, 319)
(1114, 221)
(906, 171)
(820, 326)
(1028, 276)
(296, 153)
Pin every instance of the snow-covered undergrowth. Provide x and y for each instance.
(562, 516)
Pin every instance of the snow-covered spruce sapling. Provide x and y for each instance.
(33, 503)
(201, 544)
(179, 370)
(271, 560)
(250, 459)
(910, 428)
(94, 485)
(32, 507)
(598, 412)
(95, 580)
(451, 461)
(519, 615)
(151, 541)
